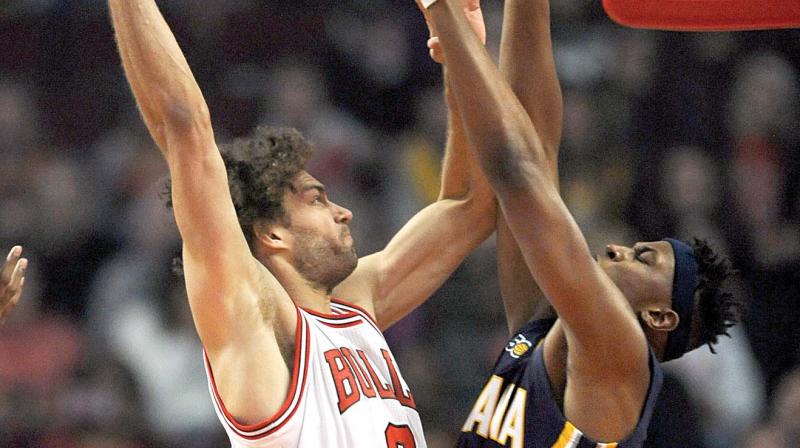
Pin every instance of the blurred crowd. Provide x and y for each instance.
(664, 134)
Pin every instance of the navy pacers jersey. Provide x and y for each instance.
(516, 408)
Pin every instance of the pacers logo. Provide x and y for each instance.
(519, 346)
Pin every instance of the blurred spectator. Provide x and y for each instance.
(55, 388)
(764, 108)
(782, 427)
(726, 387)
(765, 436)
(140, 311)
(786, 407)
(675, 418)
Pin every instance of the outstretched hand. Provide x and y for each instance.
(12, 277)
(472, 10)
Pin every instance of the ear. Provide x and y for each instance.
(660, 319)
(271, 238)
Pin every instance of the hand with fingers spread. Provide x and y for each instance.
(472, 10)
(12, 277)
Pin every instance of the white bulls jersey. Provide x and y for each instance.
(345, 392)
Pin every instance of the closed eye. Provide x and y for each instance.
(638, 251)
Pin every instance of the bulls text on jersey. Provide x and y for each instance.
(355, 379)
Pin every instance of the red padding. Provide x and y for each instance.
(705, 15)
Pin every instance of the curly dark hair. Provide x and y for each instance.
(716, 309)
(261, 168)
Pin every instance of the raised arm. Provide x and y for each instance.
(512, 154)
(426, 251)
(239, 309)
(526, 61)
(12, 277)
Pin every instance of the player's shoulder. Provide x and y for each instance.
(343, 315)
(364, 306)
(359, 287)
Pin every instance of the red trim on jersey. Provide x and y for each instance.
(334, 319)
(356, 308)
(348, 312)
(297, 377)
(360, 311)
(330, 316)
(342, 325)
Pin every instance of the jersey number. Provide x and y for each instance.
(399, 436)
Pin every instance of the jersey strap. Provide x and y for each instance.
(290, 405)
(337, 319)
(346, 307)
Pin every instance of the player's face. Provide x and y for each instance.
(643, 272)
(322, 247)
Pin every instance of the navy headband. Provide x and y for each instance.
(683, 286)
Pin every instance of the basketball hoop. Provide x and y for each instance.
(705, 15)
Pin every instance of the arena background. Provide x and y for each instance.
(664, 133)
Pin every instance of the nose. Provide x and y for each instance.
(617, 253)
(341, 215)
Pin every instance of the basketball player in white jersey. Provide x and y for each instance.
(12, 277)
(266, 254)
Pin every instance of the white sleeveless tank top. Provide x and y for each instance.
(345, 391)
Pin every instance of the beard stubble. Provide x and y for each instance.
(324, 262)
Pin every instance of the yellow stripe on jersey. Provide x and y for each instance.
(569, 437)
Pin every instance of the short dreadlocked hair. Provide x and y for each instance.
(716, 309)
(261, 168)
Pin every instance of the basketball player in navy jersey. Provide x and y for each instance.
(266, 255)
(12, 277)
(588, 377)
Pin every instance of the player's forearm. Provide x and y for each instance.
(157, 71)
(526, 61)
(462, 177)
(425, 252)
(498, 128)
(455, 165)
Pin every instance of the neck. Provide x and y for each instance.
(657, 341)
(302, 292)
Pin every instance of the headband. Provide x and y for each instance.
(683, 286)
